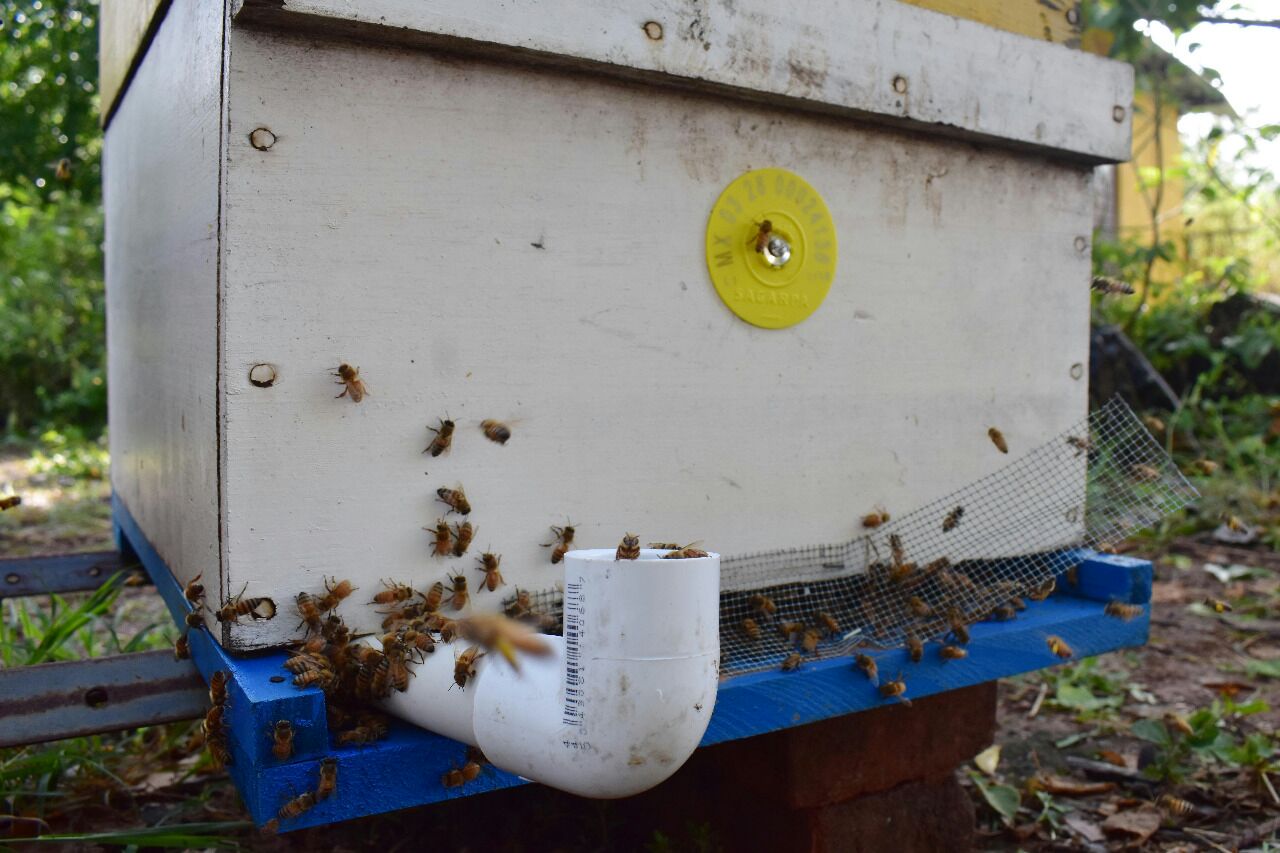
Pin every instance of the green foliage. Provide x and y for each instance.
(69, 454)
(1085, 690)
(1005, 800)
(1214, 737)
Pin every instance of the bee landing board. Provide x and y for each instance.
(525, 241)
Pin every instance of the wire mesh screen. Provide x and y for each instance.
(972, 555)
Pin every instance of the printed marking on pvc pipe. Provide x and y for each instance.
(574, 697)
(768, 290)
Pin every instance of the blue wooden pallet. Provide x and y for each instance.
(405, 769)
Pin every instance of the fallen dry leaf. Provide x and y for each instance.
(1064, 787)
(988, 759)
(1083, 827)
(1112, 757)
(1228, 689)
(1136, 824)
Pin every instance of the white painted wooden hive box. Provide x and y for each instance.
(500, 212)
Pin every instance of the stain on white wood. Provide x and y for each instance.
(957, 76)
(393, 225)
(161, 166)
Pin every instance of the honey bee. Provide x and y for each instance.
(521, 605)
(664, 546)
(629, 548)
(492, 575)
(936, 566)
(62, 170)
(434, 597)
(328, 778)
(459, 596)
(218, 687)
(1059, 647)
(1122, 611)
(828, 622)
(393, 593)
(349, 377)
(762, 604)
(997, 438)
(895, 689)
(1082, 445)
(455, 499)
(1175, 806)
(1217, 606)
(1044, 590)
(325, 679)
(918, 606)
(1144, 473)
(282, 740)
(952, 520)
(254, 608)
(296, 806)
(194, 590)
(1017, 604)
(901, 573)
(194, 619)
(1153, 424)
(335, 592)
(563, 541)
(462, 535)
(790, 629)
(496, 431)
(1236, 525)
(10, 501)
(952, 653)
(1073, 575)
(1004, 613)
(1106, 284)
(422, 641)
(915, 648)
(687, 552)
(792, 662)
(1205, 466)
(809, 640)
(182, 648)
(764, 231)
(873, 520)
(309, 610)
(868, 666)
(443, 542)
(443, 438)
(464, 666)
(361, 735)
(895, 545)
(457, 776)
(959, 630)
(750, 628)
(1178, 722)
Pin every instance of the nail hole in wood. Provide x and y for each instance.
(95, 697)
(262, 375)
(653, 30)
(277, 679)
(12, 577)
(261, 138)
(1077, 370)
(900, 84)
(1117, 113)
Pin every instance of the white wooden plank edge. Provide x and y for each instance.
(873, 59)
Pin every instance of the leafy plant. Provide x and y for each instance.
(1085, 690)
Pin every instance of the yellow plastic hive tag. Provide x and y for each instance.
(771, 248)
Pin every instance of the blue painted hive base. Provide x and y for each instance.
(405, 769)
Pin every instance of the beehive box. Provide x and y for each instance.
(504, 214)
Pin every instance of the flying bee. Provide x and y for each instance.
(760, 238)
(809, 640)
(496, 431)
(62, 169)
(895, 546)
(434, 597)
(455, 499)
(874, 519)
(1082, 445)
(952, 520)
(997, 438)
(1217, 606)
(1175, 806)
(918, 606)
(443, 542)
(1205, 466)
(349, 377)
(282, 740)
(1106, 284)
(1144, 473)
(959, 630)
(868, 666)
(334, 593)
(828, 622)
(790, 629)
(254, 608)
(750, 628)
(1178, 722)
(1059, 647)
(492, 575)
(393, 593)
(915, 648)
(895, 689)
(1044, 590)
(194, 619)
(182, 648)
(762, 604)
(328, 778)
(462, 535)
(1236, 525)
(629, 548)
(296, 806)
(443, 438)
(459, 596)
(194, 590)
(1124, 612)
(464, 666)
(952, 653)
(563, 541)
(10, 501)
(792, 662)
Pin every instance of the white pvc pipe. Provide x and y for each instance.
(623, 701)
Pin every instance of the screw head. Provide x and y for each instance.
(1117, 113)
(777, 252)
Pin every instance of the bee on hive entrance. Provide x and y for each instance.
(254, 608)
(393, 593)
(792, 662)
(492, 575)
(1124, 612)
(182, 648)
(764, 230)
(194, 590)
(460, 595)
(1082, 445)
(685, 552)
(350, 377)
(455, 499)
(868, 666)
(462, 535)
(328, 778)
(750, 628)
(334, 593)
(952, 653)
(464, 666)
(629, 548)
(282, 740)
(952, 520)
(443, 439)
(296, 806)
(442, 542)
(563, 541)
(1059, 647)
(997, 438)
(496, 431)
(434, 597)
(873, 520)
(915, 648)
(895, 689)
(762, 604)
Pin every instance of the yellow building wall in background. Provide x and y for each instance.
(1057, 21)
(1136, 191)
